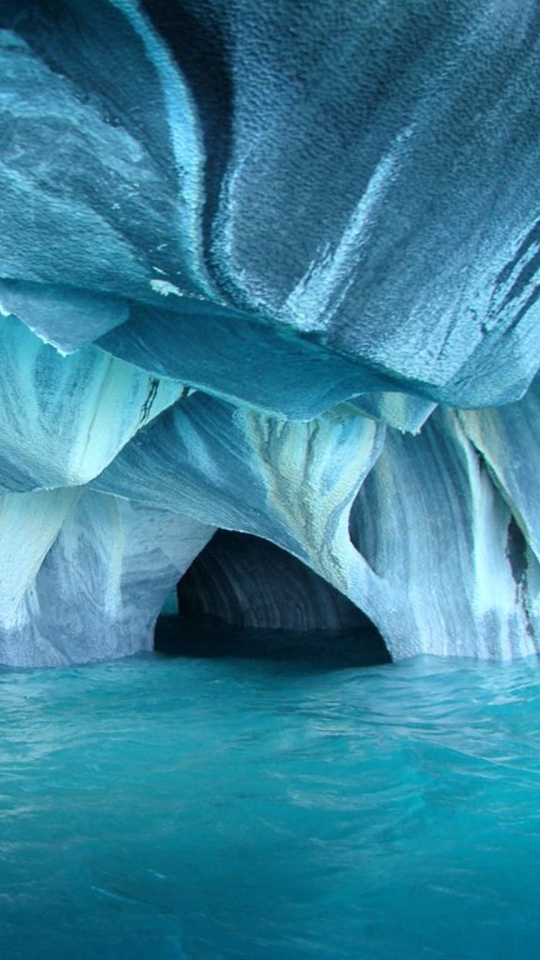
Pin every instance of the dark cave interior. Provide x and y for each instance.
(245, 597)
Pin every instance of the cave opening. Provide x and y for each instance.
(244, 597)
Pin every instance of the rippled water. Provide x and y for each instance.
(223, 809)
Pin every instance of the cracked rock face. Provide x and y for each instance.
(270, 269)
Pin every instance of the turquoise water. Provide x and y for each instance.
(240, 810)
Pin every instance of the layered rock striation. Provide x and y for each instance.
(269, 268)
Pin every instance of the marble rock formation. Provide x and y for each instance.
(272, 268)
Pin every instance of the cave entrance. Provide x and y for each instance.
(245, 597)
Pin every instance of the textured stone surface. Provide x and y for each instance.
(246, 250)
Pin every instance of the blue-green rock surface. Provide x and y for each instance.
(270, 268)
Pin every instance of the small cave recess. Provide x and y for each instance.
(245, 597)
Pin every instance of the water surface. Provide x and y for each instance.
(247, 810)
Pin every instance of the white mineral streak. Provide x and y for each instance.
(318, 294)
(165, 288)
(84, 576)
(186, 137)
(429, 518)
(63, 419)
(29, 525)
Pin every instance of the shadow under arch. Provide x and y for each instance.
(245, 597)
